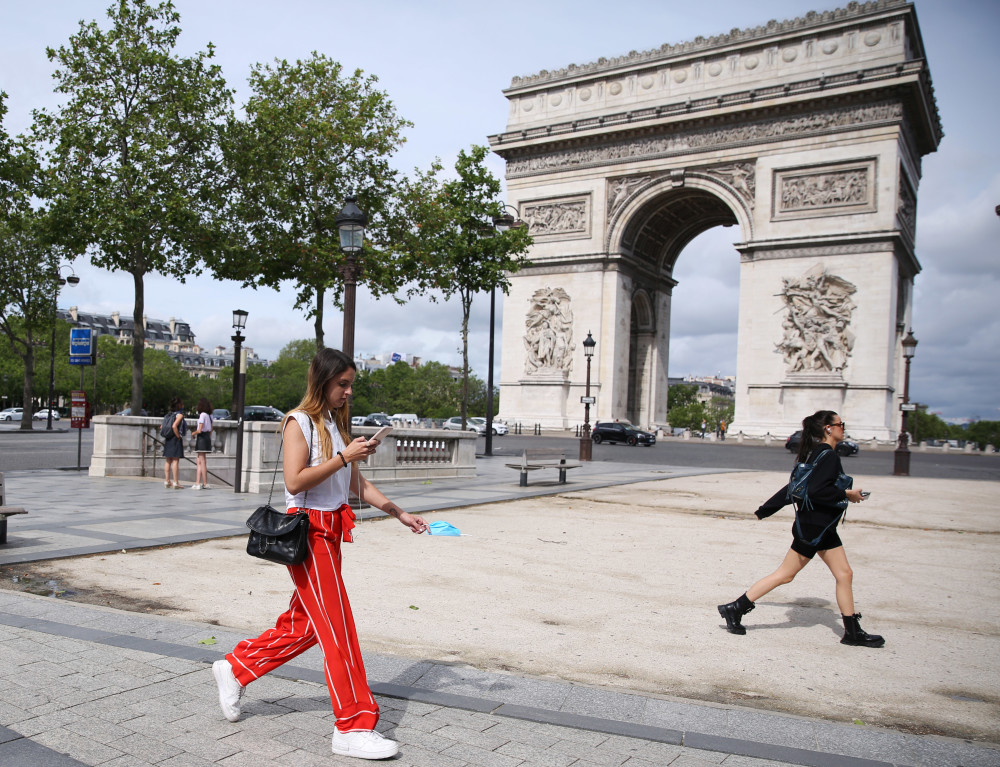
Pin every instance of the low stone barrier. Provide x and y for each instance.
(131, 446)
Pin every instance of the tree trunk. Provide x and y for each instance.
(466, 309)
(138, 343)
(318, 322)
(29, 386)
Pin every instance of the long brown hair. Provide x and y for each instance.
(325, 366)
(812, 432)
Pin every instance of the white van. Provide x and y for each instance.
(404, 418)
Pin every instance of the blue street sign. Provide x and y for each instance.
(80, 361)
(80, 342)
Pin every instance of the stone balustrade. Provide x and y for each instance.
(127, 446)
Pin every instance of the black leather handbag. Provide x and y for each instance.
(277, 536)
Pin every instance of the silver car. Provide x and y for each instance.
(11, 414)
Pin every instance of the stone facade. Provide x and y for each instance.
(805, 136)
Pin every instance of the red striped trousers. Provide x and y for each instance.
(319, 611)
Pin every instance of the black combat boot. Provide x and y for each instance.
(734, 612)
(855, 635)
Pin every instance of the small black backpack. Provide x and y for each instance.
(167, 429)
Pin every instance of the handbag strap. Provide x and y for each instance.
(274, 476)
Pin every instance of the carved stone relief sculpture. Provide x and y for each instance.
(741, 176)
(620, 189)
(907, 206)
(548, 337)
(566, 217)
(818, 307)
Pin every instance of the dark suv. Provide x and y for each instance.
(377, 419)
(621, 431)
(262, 413)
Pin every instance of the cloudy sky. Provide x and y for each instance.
(444, 63)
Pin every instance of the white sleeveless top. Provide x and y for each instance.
(332, 492)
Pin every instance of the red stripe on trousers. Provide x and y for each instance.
(319, 611)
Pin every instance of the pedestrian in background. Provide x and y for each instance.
(821, 433)
(320, 465)
(202, 444)
(173, 446)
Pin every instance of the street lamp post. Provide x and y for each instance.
(901, 464)
(586, 445)
(239, 322)
(501, 223)
(351, 223)
(72, 279)
(239, 388)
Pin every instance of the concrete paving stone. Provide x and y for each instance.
(151, 749)
(76, 746)
(31, 727)
(866, 742)
(470, 720)
(693, 758)
(313, 724)
(480, 757)
(203, 745)
(604, 704)
(25, 752)
(10, 714)
(460, 680)
(661, 753)
(601, 759)
(537, 693)
(737, 760)
(420, 722)
(582, 737)
(185, 760)
(390, 668)
(304, 740)
(250, 740)
(152, 727)
(536, 756)
(128, 760)
(301, 758)
(932, 752)
(472, 737)
(577, 748)
(622, 745)
(245, 760)
(420, 757)
(431, 741)
(258, 708)
(99, 730)
(518, 732)
(770, 728)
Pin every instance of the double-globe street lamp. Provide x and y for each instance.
(73, 280)
(239, 389)
(901, 464)
(586, 445)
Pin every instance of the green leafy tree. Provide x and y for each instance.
(984, 433)
(134, 160)
(435, 393)
(313, 134)
(469, 257)
(681, 394)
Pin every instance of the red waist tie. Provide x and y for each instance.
(347, 518)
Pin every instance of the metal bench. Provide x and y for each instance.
(6, 511)
(533, 459)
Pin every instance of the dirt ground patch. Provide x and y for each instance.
(617, 587)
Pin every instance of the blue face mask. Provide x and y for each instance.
(440, 527)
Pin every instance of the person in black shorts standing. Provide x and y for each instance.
(821, 432)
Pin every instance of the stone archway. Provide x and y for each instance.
(804, 136)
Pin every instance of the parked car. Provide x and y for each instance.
(404, 418)
(376, 419)
(43, 415)
(128, 411)
(221, 414)
(357, 420)
(11, 414)
(262, 413)
(845, 448)
(498, 428)
(621, 431)
(455, 424)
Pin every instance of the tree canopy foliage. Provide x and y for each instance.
(133, 165)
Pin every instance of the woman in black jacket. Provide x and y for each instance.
(821, 432)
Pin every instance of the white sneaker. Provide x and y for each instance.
(364, 744)
(196, 487)
(230, 691)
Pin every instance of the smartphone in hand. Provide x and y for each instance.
(380, 434)
(865, 493)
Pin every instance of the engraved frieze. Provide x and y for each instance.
(557, 218)
(707, 139)
(818, 309)
(741, 176)
(825, 190)
(548, 337)
(620, 189)
(906, 206)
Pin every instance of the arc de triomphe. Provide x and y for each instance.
(806, 136)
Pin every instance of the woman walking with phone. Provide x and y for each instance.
(814, 531)
(320, 465)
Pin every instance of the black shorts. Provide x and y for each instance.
(829, 541)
